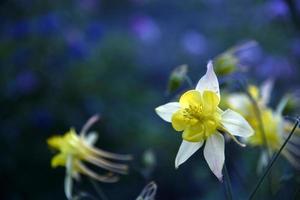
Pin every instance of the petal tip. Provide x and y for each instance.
(220, 178)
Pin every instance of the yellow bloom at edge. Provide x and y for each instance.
(198, 115)
(275, 127)
(76, 149)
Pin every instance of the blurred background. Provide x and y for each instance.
(63, 61)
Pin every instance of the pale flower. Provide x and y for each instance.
(198, 115)
(74, 150)
(275, 127)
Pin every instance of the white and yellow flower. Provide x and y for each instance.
(198, 115)
(75, 149)
(275, 127)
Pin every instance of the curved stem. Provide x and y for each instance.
(98, 190)
(260, 121)
(273, 161)
(228, 187)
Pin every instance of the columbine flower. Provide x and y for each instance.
(275, 127)
(197, 114)
(76, 149)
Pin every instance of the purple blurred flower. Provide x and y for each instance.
(26, 82)
(146, 29)
(295, 47)
(94, 31)
(77, 46)
(18, 30)
(275, 67)
(249, 54)
(49, 23)
(276, 9)
(194, 43)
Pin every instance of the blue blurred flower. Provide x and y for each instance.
(275, 67)
(49, 23)
(276, 9)
(94, 31)
(76, 45)
(194, 43)
(249, 54)
(295, 47)
(146, 29)
(17, 30)
(26, 82)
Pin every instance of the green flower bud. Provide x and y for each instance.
(225, 64)
(177, 77)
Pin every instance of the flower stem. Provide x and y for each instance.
(98, 190)
(273, 160)
(228, 187)
(260, 121)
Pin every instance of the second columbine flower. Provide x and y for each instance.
(197, 114)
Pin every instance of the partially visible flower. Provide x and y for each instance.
(149, 192)
(76, 149)
(194, 43)
(275, 127)
(146, 29)
(198, 115)
(233, 59)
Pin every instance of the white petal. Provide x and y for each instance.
(186, 150)
(239, 102)
(214, 154)
(266, 90)
(166, 111)
(209, 81)
(235, 124)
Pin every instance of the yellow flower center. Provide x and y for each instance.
(199, 115)
(69, 144)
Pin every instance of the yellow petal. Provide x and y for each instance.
(191, 97)
(194, 133)
(58, 160)
(210, 101)
(254, 91)
(178, 121)
(55, 142)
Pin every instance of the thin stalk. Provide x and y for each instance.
(273, 161)
(99, 191)
(260, 121)
(228, 187)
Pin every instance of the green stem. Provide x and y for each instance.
(260, 121)
(273, 161)
(228, 187)
(98, 190)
